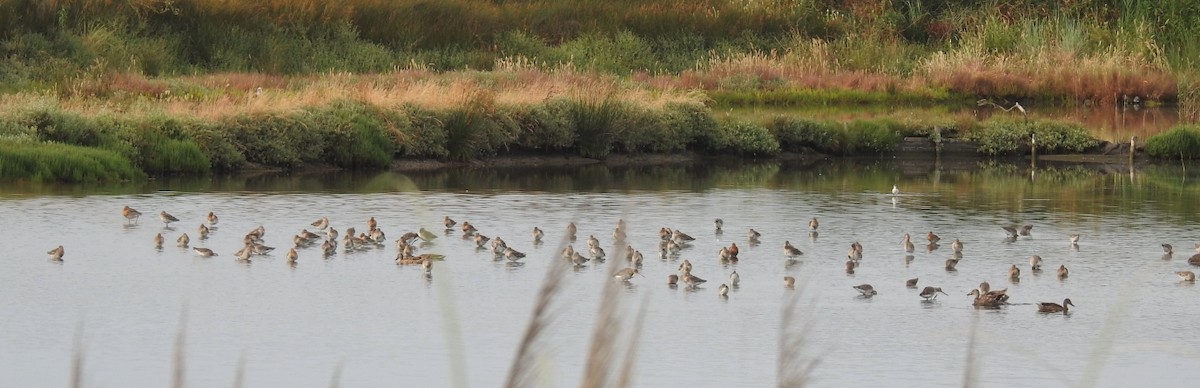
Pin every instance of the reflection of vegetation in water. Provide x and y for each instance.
(978, 186)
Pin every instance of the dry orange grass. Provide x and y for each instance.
(215, 96)
(1102, 79)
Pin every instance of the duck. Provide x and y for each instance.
(1051, 307)
(866, 290)
(930, 292)
(990, 298)
(1194, 260)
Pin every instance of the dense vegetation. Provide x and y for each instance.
(174, 85)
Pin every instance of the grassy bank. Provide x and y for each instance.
(762, 52)
(365, 122)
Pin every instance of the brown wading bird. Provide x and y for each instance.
(320, 224)
(850, 267)
(951, 263)
(56, 254)
(1050, 307)
(183, 241)
(204, 252)
(791, 251)
(911, 283)
(1187, 276)
(789, 282)
(571, 230)
(158, 240)
(212, 219)
(1014, 273)
(131, 215)
(866, 290)
(1035, 263)
(292, 255)
(538, 234)
(1194, 260)
(1168, 249)
(672, 280)
(931, 292)
(1062, 272)
(933, 238)
(813, 224)
(719, 223)
(628, 273)
(449, 223)
(166, 218)
(908, 244)
(723, 291)
(957, 246)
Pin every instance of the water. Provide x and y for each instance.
(374, 323)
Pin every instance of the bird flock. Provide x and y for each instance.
(671, 243)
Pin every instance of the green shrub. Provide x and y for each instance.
(874, 136)
(420, 133)
(63, 162)
(795, 133)
(545, 127)
(1181, 142)
(595, 126)
(1001, 137)
(745, 138)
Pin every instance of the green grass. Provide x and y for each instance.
(1182, 142)
(62, 162)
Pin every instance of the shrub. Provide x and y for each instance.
(1182, 142)
(63, 162)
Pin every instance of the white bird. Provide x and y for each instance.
(895, 190)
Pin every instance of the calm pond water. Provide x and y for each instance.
(372, 323)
